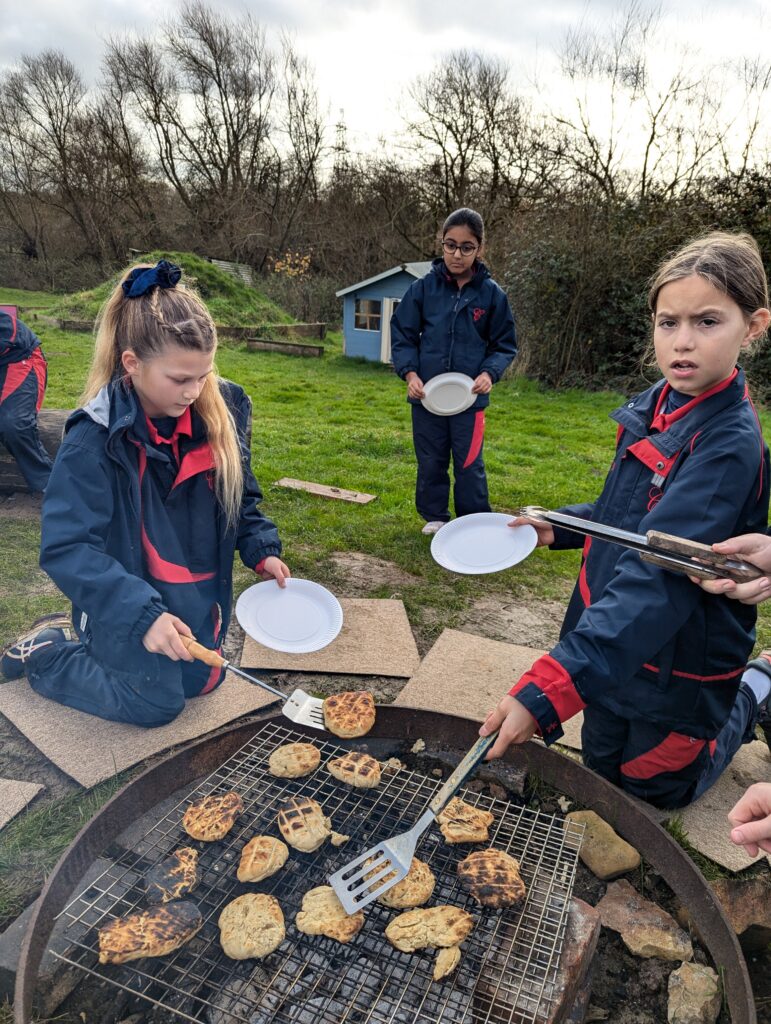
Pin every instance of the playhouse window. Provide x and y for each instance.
(366, 315)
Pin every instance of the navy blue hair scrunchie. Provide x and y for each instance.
(142, 279)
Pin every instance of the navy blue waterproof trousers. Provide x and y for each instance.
(22, 386)
(121, 684)
(667, 769)
(436, 439)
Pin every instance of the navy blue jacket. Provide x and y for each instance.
(638, 640)
(91, 542)
(438, 327)
(17, 341)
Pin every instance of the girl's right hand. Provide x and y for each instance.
(414, 385)
(163, 637)
(545, 531)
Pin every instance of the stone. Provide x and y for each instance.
(694, 995)
(603, 850)
(645, 929)
(497, 792)
(746, 903)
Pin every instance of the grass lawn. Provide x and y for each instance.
(345, 423)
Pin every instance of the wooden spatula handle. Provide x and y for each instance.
(201, 653)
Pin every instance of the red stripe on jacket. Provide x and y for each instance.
(476, 438)
(15, 376)
(555, 683)
(672, 755)
(702, 679)
(583, 585)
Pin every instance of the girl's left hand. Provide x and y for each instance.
(275, 569)
(483, 385)
(516, 723)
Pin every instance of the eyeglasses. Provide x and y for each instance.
(467, 248)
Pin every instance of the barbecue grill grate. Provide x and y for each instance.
(508, 965)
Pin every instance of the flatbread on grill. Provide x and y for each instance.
(175, 876)
(303, 823)
(262, 857)
(412, 891)
(460, 822)
(435, 926)
(492, 877)
(251, 925)
(349, 714)
(291, 760)
(362, 771)
(322, 913)
(213, 817)
(446, 962)
(153, 932)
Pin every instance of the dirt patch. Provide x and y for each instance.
(362, 573)
(499, 617)
(20, 505)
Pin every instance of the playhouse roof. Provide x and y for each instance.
(417, 270)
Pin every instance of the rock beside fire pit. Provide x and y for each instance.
(645, 929)
(603, 850)
(694, 995)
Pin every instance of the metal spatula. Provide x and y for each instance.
(300, 707)
(359, 883)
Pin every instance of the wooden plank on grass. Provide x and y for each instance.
(323, 491)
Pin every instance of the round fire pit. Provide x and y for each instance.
(395, 727)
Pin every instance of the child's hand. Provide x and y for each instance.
(414, 385)
(163, 637)
(751, 819)
(483, 385)
(516, 723)
(750, 547)
(545, 531)
(274, 569)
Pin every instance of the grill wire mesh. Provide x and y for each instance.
(508, 964)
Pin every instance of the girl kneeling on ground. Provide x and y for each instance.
(150, 495)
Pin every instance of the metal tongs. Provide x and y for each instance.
(677, 554)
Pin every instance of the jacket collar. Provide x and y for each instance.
(481, 273)
(636, 415)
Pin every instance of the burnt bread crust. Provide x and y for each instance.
(492, 877)
(349, 714)
(213, 817)
(154, 932)
(174, 876)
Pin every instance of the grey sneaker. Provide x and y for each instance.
(50, 629)
(433, 527)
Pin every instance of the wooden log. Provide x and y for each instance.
(85, 326)
(324, 491)
(50, 427)
(289, 348)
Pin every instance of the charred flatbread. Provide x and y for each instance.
(303, 824)
(492, 877)
(213, 817)
(460, 822)
(174, 876)
(349, 714)
(362, 771)
(153, 932)
(262, 857)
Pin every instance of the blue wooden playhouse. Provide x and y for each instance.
(367, 309)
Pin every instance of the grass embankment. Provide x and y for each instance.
(340, 422)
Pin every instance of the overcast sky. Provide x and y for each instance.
(365, 52)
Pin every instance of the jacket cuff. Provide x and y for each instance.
(494, 377)
(762, 664)
(146, 619)
(541, 708)
(552, 683)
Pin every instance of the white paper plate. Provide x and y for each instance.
(481, 543)
(448, 394)
(297, 619)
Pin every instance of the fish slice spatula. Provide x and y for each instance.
(300, 707)
(368, 876)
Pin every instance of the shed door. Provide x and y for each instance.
(389, 305)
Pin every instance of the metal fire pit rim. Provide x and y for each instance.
(629, 818)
